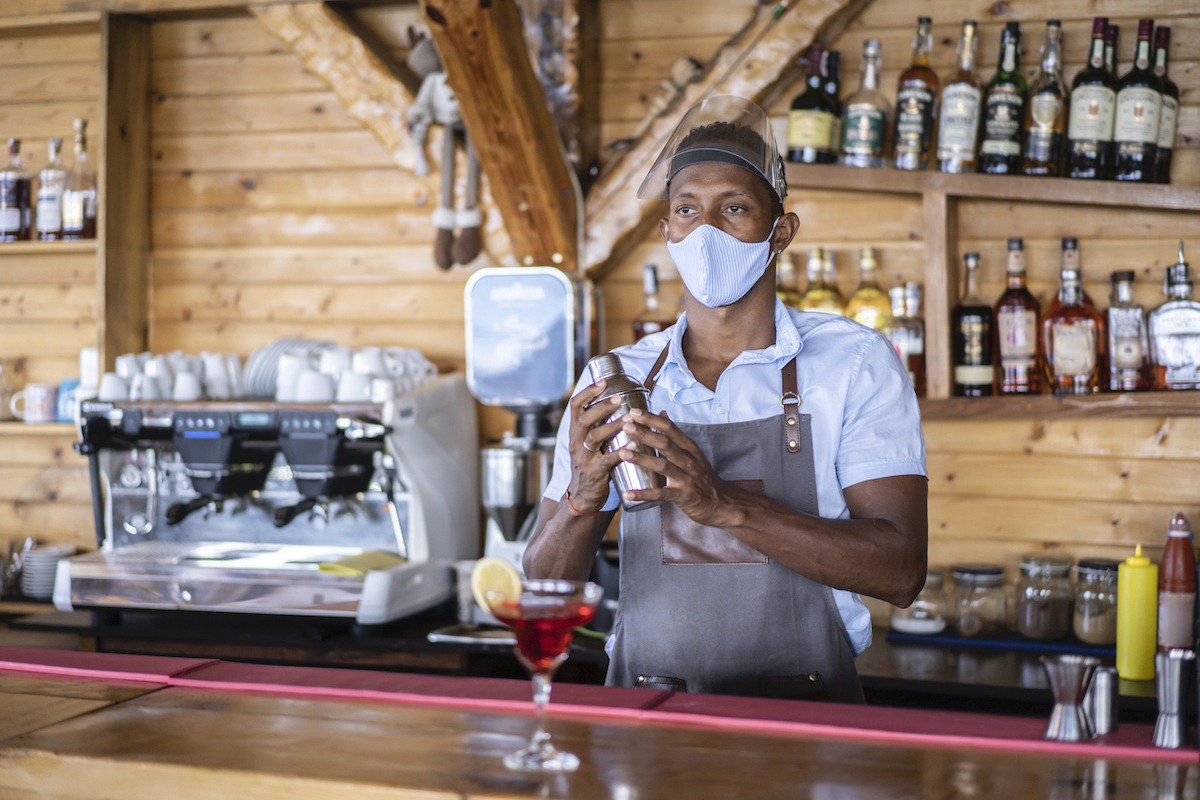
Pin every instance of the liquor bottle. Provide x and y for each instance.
(1073, 341)
(958, 131)
(787, 282)
(1112, 38)
(79, 194)
(1128, 344)
(653, 317)
(869, 305)
(1093, 100)
(971, 338)
(1046, 111)
(916, 103)
(830, 276)
(810, 121)
(51, 182)
(14, 197)
(830, 72)
(1004, 109)
(1168, 117)
(864, 132)
(1139, 101)
(1175, 333)
(818, 296)
(1016, 313)
(907, 332)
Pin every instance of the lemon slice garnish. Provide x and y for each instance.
(495, 581)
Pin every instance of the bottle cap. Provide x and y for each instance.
(1122, 276)
(924, 20)
(1016, 243)
(1070, 243)
(605, 366)
(871, 47)
(1099, 26)
(1180, 526)
(1162, 37)
(1013, 28)
(1137, 559)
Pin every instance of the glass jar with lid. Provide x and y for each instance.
(980, 603)
(1096, 600)
(927, 614)
(1044, 596)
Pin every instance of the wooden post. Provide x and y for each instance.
(941, 288)
(502, 104)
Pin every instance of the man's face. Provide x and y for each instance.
(729, 198)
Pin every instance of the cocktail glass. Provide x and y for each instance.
(544, 620)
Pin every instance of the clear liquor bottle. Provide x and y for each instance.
(1168, 118)
(653, 317)
(869, 305)
(1046, 111)
(958, 131)
(1073, 341)
(787, 281)
(1112, 37)
(79, 195)
(810, 120)
(819, 296)
(1019, 369)
(1093, 102)
(1139, 105)
(866, 115)
(916, 104)
(971, 339)
(1004, 109)
(1128, 342)
(1175, 332)
(14, 197)
(52, 181)
(831, 74)
(907, 332)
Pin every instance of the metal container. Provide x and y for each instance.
(1102, 702)
(629, 476)
(1170, 680)
(1069, 676)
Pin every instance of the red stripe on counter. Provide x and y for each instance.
(98, 666)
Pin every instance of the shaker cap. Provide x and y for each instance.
(605, 366)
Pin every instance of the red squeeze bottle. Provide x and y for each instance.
(1177, 587)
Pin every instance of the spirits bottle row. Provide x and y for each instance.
(1013, 347)
(59, 205)
(1102, 127)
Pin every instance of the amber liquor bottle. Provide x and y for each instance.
(79, 194)
(1168, 117)
(787, 282)
(907, 332)
(1004, 109)
(15, 186)
(1046, 111)
(810, 120)
(653, 317)
(916, 104)
(1074, 342)
(1018, 370)
(1128, 342)
(971, 338)
(1093, 101)
(869, 305)
(958, 131)
(1139, 101)
(820, 296)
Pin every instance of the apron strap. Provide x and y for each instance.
(790, 402)
(652, 376)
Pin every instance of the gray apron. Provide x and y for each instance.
(701, 611)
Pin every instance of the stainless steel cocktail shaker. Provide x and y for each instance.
(629, 477)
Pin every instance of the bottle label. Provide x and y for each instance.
(974, 375)
(74, 205)
(1137, 115)
(1016, 262)
(1125, 332)
(1074, 349)
(914, 119)
(1002, 120)
(960, 120)
(1176, 619)
(1018, 337)
(49, 210)
(10, 220)
(1044, 112)
(973, 372)
(1126, 353)
(1091, 117)
(1168, 118)
(865, 126)
(1176, 338)
(807, 128)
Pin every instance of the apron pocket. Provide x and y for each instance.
(793, 687)
(687, 542)
(661, 682)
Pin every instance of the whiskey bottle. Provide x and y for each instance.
(1128, 344)
(1112, 38)
(830, 73)
(1017, 329)
(787, 282)
(971, 338)
(1175, 333)
(958, 131)
(1070, 260)
(1169, 115)
(916, 103)
(869, 305)
(1004, 109)
(1046, 111)
(867, 111)
(653, 317)
(1139, 102)
(1073, 341)
(819, 296)
(1093, 100)
(810, 121)
(51, 182)
(907, 332)
(79, 194)
(14, 197)
(829, 273)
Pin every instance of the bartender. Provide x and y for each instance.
(790, 442)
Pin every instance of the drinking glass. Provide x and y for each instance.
(544, 619)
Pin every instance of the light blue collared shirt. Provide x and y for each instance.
(865, 420)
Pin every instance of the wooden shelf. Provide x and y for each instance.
(1128, 404)
(995, 187)
(26, 21)
(25, 248)
(37, 429)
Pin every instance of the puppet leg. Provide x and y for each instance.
(443, 215)
(470, 220)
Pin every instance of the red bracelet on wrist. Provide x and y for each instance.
(576, 510)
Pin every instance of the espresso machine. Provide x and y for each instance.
(354, 511)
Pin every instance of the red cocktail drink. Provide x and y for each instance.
(544, 634)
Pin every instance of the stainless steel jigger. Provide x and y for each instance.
(1170, 731)
(1103, 701)
(1069, 677)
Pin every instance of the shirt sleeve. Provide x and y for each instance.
(560, 477)
(881, 427)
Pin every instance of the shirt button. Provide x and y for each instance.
(719, 409)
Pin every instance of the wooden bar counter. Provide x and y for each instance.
(81, 725)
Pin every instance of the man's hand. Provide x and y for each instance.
(591, 467)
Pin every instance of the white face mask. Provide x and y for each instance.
(717, 268)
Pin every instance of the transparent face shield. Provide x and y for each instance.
(720, 130)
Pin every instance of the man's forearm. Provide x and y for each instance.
(564, 544)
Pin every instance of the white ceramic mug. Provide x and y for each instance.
(41, 403)
(127, 366)
(113, 388)
(369, 361)
(382, 390)
(187, 388)
(335, 361)
(315, 387)
(287, 374)
(354, 387)
(144, 388)
(160, 369)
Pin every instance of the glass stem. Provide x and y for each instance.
(541, 699)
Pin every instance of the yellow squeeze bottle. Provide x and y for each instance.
(1137, 617)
